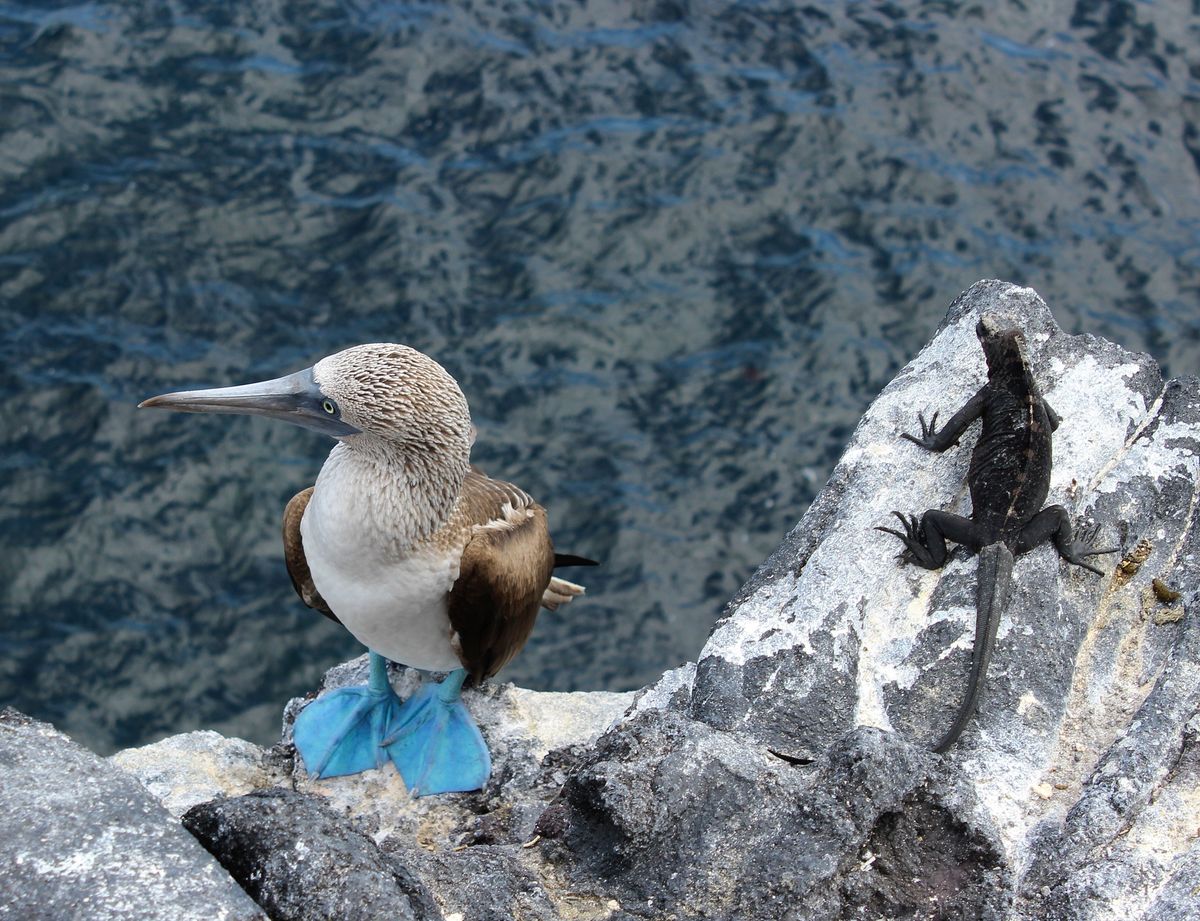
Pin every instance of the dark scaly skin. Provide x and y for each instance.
(1009, 479)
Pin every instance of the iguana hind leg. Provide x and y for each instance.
(1053, 523)
(925, 541)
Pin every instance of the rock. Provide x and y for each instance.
(467, 849)
(844, 636)
(186, 770)
(521, 728)
(686, 821)
(302, 862)
(488, 883)
(80, 838)
(1068, 793)
(786, 774)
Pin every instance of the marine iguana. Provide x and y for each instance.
(1009, 479)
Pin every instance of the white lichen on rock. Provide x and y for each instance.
(195, 767)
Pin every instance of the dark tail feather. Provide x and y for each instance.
(567, 559)
(994, 575)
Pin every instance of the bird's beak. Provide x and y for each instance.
(295, 398)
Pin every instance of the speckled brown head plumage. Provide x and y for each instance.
(399, 395)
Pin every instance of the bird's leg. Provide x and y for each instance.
(342, 732)
(435, 743)
(377, 681)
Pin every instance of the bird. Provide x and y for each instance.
(421, 556)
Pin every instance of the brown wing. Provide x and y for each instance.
(505, 568)
(293, 555)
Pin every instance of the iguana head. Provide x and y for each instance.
(1003, 345)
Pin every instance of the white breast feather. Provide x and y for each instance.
(392, 602)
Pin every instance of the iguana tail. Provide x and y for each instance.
(994, 584)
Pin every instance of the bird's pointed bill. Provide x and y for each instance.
(294, 398)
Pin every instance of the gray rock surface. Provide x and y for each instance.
(468, 850)
(80, 838)
(194, 767)
(786, 773)
(302, 862)
(686, 821)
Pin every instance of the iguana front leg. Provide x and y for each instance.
(1055, 418)
(933, 440)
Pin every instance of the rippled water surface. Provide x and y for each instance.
(671, 250)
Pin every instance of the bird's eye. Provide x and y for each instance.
(329, 407)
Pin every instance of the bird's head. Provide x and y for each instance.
(395, 394)
(379, 396)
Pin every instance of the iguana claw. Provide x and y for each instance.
(928, 432)
(914, 546)
(1081, 547)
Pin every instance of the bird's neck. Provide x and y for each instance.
(406, 495)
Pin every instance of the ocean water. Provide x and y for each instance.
(671, 250)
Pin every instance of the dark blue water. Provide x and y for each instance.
(670, 250)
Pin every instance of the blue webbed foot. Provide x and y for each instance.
(343, 731)
(435, 743)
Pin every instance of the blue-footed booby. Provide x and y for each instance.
(421, 556)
